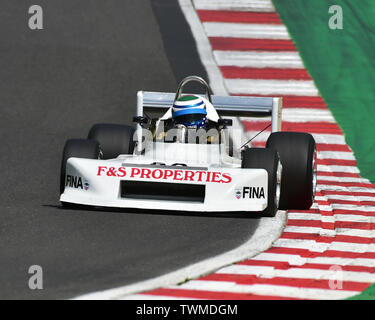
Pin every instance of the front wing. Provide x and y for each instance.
(111, 183)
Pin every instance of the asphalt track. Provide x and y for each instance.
(85, 67)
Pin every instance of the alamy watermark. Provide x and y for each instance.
(209, 142)
(336, 280)
(36, 18)
(36, 279)
(336, 21)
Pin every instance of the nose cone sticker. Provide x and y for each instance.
(238, 193)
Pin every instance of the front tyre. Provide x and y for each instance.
(114, 139)
(298, 155)
(261, 158)
(79, 148)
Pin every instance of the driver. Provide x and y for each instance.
(190, 111)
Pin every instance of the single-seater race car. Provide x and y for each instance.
(181, 156)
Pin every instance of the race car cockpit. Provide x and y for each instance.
(191, 119)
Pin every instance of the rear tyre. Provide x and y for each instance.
(261, 158)
(114, 139)
(297, 152)
(80, 148)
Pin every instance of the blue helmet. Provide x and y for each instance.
(189, 110)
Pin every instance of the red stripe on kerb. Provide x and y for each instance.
(312, 127)
(352, 202)
(210, 295)
(231, 72)
(238, 16)
(336, 162)
(242, 279)
(282, 265)
(325, 239)
(337, 224)
(258, 144)
(348, 193)
(333, 147)
(305, 253)
(303, 102)
(338, 174)
(311, 223)
(323, 202)
(245, 44)
(354, 212)
(321, 147)
(355, 225)
(345, 184)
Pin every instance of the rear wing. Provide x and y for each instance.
(155, 104)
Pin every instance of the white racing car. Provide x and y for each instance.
(181, 157)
